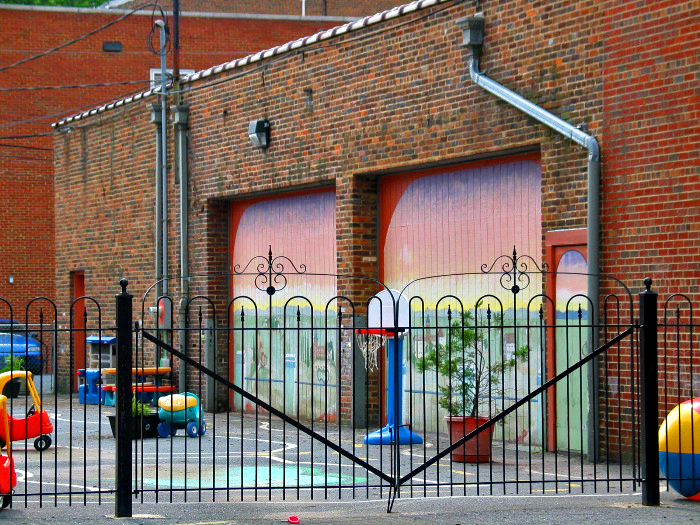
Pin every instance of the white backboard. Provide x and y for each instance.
(380, 310)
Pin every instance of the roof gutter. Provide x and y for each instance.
(473, 35)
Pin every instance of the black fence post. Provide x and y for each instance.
(649, 395)
(123, 480)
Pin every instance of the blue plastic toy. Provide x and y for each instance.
(181, 411)
(89, 391)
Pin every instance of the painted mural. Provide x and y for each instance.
(285, 345)
(449, 222)
(572, 345)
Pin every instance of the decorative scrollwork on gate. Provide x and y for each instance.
(270, 271)
(514, 271)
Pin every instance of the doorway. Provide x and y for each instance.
(568, 320)
(77, 325)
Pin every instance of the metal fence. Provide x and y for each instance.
(679, 386)
(505, 392)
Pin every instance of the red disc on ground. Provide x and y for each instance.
(293, 519)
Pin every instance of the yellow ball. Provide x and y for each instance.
(679, 448)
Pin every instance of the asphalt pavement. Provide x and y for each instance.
(562, 509)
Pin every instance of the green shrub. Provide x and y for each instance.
(14, 363)
(138, 408)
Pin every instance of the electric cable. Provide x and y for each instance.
(64, 111)
(25, 147)
(33, 136)
(313, 47)
(83, 37)
(18, 157)
(155, 29)
(73, 86)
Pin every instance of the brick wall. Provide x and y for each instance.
(651, 183)
(652, 155)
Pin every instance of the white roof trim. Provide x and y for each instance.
(278, 50)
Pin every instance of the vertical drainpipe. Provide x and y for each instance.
(156, 118)
(182, 112)
(164, 150)
(473, 38)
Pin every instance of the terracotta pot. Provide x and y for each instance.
(460, 426)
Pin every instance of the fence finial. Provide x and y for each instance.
(647, 283)
(124, 283)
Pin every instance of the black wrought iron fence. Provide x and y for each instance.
(280, 395)
(679, 388)
(54, 431)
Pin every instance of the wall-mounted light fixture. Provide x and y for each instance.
(259, 133)
(11, 279)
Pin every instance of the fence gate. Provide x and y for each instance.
(482, 385)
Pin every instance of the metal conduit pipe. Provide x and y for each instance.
(164, 153)
(157, 119)
(182, 112)
(473, 35)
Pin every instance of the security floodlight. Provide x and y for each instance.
(259, 133)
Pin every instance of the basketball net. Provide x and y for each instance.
(369, 346)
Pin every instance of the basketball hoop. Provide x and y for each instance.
(370, 340)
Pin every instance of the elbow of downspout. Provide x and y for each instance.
(472, 28)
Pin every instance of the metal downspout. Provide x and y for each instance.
(182, 178)
(156, 118)
(164, 152)
(181, 119)
(473, 33)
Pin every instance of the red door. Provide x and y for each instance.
(78, 325)
(560, 244)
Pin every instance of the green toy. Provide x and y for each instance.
(181, 411)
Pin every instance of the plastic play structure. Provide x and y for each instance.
(381, 323)
(8, 476)
(36, 424)
(679, 448)
(181, 411)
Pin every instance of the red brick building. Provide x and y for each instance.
(360, 116)
(31, 103)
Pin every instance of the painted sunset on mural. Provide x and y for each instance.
(456, 221)
(298, 227)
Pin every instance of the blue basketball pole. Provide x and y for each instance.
(386, 435)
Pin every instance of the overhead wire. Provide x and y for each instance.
(63, 112)
(83, 37)
(18, 157)
(73, 86)
(32, 136)
(20, 146)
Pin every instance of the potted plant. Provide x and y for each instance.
(144, 422)
(13, 387)
(468, 377)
